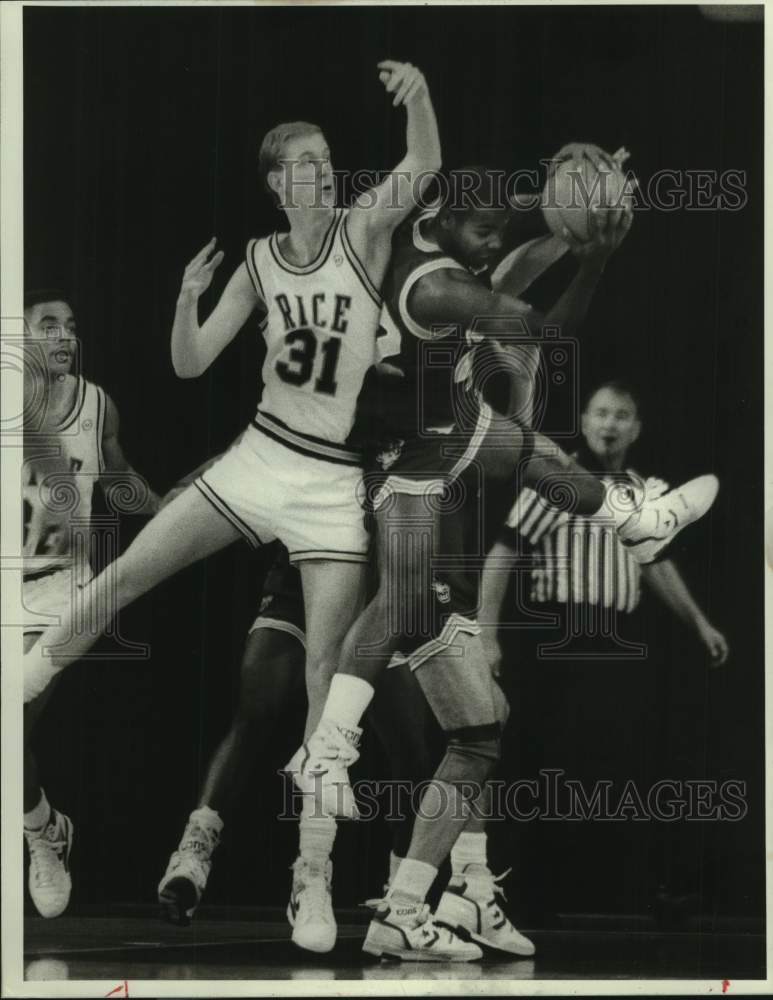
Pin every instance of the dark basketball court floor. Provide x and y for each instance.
(254, 945)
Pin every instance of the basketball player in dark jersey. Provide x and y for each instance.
(455, 444)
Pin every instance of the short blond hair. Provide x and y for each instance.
(273, 146)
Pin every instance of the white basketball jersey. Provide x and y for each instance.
(61, 465)
(320, 332)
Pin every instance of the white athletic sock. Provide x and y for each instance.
(469, 849)
(623, 503)
(347, 700)
(413, 881)
(317, 833)
(209, 819)
(394, 864)
(36, 820)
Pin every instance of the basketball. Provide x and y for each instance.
(574, 188)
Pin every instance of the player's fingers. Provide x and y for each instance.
(396, 77)
(415, 89)
(597, 157)
(620, 156)
(215, 262)
(408, 80)
(600, 221)
(390, 64)
(202, 255)
(615, 217)
(572, 242)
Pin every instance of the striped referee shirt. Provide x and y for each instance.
(577, 560)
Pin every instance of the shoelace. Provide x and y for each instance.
(314, 886)
(45, 854)
(423, 923)
(493, 882)
(334, 746)
(315, 896)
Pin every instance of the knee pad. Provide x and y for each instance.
(470, 756)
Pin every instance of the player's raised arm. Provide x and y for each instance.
(195, 347)
(455, 297)
(386, 205)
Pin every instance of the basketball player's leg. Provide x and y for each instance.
(186, 530)
(457, 685)
(271, 683)
(471, 901)
(333, 595)
(645, 525)
(410, 737)
(559, 478)
(376, 634)
(48, 832)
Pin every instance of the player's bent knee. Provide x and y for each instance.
(470, 757)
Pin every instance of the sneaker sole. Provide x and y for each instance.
(178, 901)
(409, 955)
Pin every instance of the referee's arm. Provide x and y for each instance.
(667, 582)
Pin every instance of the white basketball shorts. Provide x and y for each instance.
(271, 484)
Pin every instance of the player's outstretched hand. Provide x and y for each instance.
(609, 227)
(715, 643)
(198, 273)
(403, 80)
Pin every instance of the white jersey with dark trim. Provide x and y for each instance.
(61, 464)
(320, 330)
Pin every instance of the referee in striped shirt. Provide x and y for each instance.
(587, 696)
(578, 564)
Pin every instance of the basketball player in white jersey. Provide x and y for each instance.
(290, 475)
(70, 442)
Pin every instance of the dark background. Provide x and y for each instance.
(141, 134)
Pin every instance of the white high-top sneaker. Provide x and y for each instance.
(408, 931)
(310, 910)
(49, 882)
(656, 522)
(185, 878)
(320, 768)
(470, 906)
